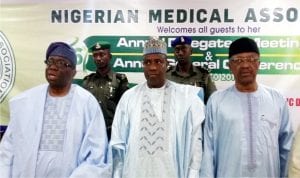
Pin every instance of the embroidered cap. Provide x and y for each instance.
(155, 45)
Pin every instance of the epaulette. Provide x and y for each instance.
(203, 69)
(89, 76)
(121, 76)
(170, 68)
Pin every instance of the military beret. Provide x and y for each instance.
(181, 40)
(99, 45)
(62, 49)
(242, 45)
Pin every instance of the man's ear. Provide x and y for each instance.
(74, 72)
(167, 64)
(229, 65)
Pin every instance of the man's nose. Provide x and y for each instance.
(153, 66)
(180, 52)
(98, 57)
(245, 64)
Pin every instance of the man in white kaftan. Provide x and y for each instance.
(294, 166)
(157, 125)
(247, 129)
(55, 129)
(246, 134)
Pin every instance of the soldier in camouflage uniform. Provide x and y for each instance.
(184, 72)
(106, 85)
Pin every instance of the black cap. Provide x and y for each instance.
(242, 45)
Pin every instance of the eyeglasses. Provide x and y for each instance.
(240, 60)
(60, 63)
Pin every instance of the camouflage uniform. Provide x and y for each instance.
(108, 91)
(197, 76)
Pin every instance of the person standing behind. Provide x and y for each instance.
(247, 129)
(184, 72)
(106, 85)
(55, 129)
(294, 167)
(156, 131)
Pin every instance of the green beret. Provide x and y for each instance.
(99, 45)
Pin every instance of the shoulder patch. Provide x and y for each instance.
(89, 76)
(121, 76)
(170, 68)
(203, 69)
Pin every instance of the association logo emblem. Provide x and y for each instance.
(7, 67)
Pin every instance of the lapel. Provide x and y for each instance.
(36, 116)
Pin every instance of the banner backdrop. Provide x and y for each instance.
(28, 26)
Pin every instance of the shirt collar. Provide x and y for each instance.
(108, 75)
